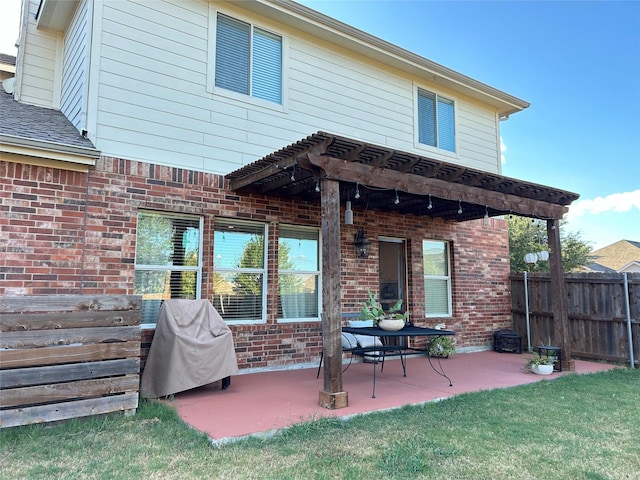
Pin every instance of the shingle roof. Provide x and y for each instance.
(9, 59)
(31, 122)
(615, 256)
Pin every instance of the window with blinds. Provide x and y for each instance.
(437, 278)
(298, 273)
(168, 261)
(248, 59)
(436, 121)
(239, 270)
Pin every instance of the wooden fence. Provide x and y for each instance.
(599, 324)
(68, 356)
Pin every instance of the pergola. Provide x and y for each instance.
(329, 169)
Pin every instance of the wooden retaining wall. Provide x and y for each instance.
(598, 324)
(67, 356)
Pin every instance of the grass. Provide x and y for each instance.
(574, 427)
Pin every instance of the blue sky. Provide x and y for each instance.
(577, 63)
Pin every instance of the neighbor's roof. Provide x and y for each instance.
(616, 256)
(7, 59)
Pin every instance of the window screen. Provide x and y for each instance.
(239, 270)
(298, 273)
(437, 280)
(436, 121)
(168, 262)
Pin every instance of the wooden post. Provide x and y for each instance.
(332, 395)
(559, 303)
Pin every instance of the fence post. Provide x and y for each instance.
(628, 311)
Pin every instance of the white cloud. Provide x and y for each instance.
(503, 148)
(616, 202)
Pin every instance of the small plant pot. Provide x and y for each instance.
(391, 324)
(542, 369)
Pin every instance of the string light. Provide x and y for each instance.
(357, 196)
(459, 207)
(317, 185)
(430, 206)
(396, 200)
(293, 174)
(486, 211)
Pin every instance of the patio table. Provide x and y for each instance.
(381, 352)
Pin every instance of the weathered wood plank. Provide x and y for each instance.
(63, 411)
(57, 392)
(30, 357)
(24, 377)
(61, 320)
(67, 303)
(46, 338)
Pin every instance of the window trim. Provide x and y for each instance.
(264, 270)
(211, 63)
(448, 279)
(318, 273)
(416, 126)
(185, 268)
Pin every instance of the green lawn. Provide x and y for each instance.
(573, 427)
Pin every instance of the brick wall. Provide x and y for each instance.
(67, 232)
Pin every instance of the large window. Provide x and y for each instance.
(436, 121)
(239, 270)
(298, 273)
(248, 59)
(168, 260)
(437, 278)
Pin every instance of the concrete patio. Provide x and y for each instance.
(259, 403)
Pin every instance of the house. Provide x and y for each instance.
(621, 256)
(221, 146)
(7, 66)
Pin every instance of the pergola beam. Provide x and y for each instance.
(419, 185)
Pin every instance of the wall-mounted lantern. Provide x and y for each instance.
(361, 244)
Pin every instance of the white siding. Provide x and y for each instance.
(40, 63)
(153, 104)
(74, 67)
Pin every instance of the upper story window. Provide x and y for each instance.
(168, 260)
(239, 270)
(248, 59)
(437, 278)
(436, 121)
(298, 273)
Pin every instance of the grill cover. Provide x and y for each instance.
(192, 346)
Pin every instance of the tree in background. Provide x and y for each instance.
(530, 236)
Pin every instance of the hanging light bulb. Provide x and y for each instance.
(396, 200)
(293, 174)
(430, 206)
(459, 207)
(317, 185)
(348, 214)
(357, 196)
(486, 211)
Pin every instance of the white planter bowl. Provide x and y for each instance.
(391, 324)
(542, 369)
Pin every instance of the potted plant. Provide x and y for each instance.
(392, 320)
(442, 347)
(539, 364)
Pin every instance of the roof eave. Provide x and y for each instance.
(11, 144)
(372, 47)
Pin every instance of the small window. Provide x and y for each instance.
(248, 59)
(437, 278)
(239, 271)
(436, 121)
(168, 260)
(298, 273)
